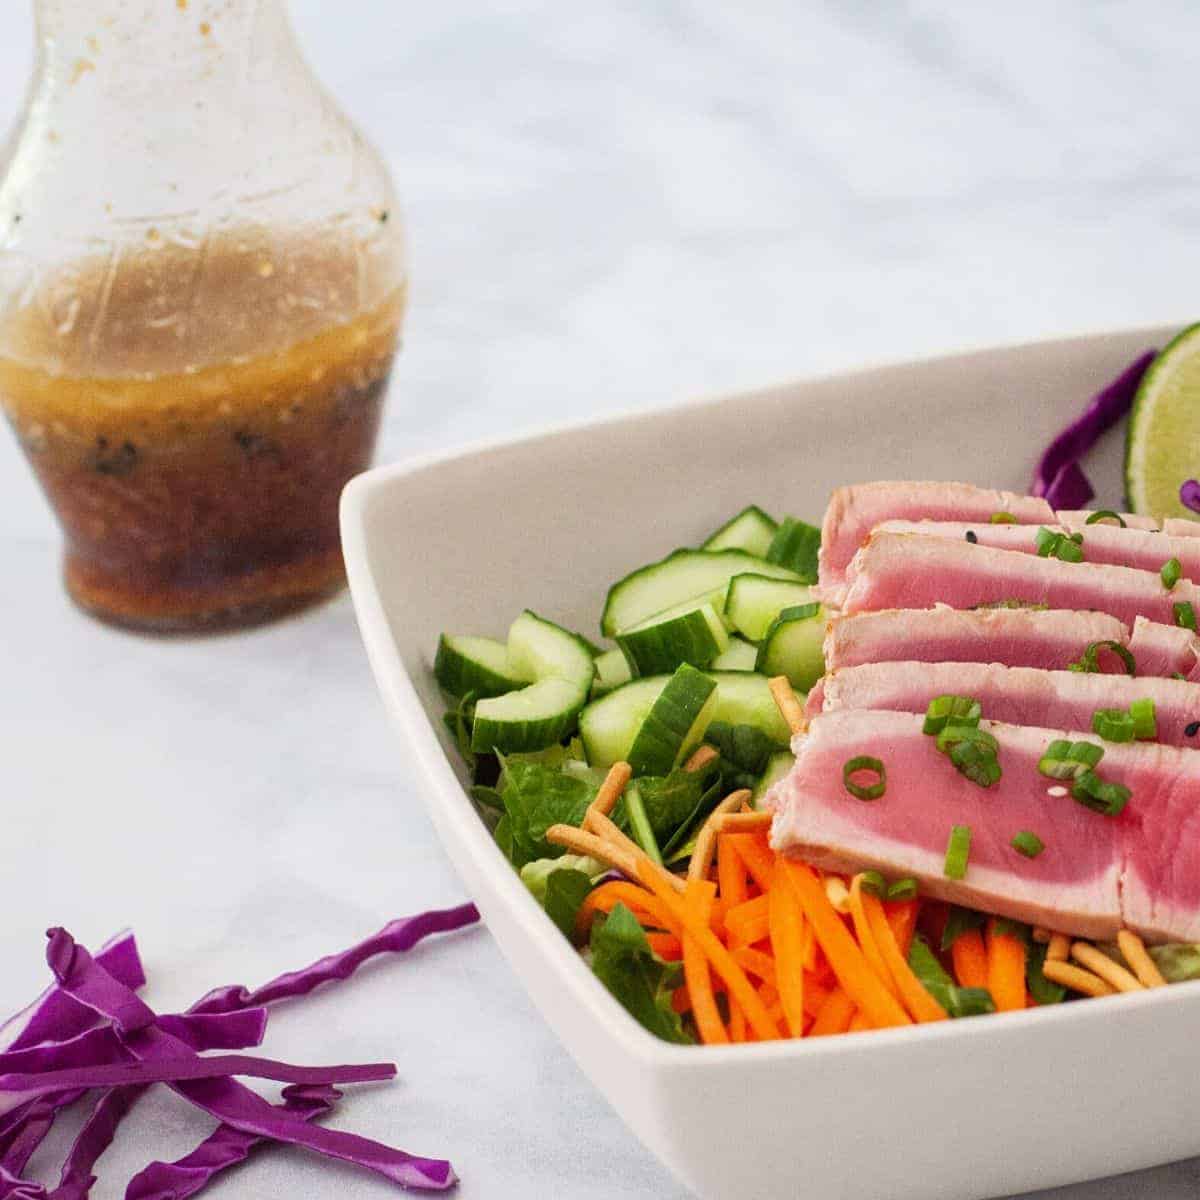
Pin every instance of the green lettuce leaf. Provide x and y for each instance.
(536, 797)
(641, 981)
(560, 886)
(1178, 961)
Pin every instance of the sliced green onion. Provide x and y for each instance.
(874, 882)
(903, 889)
(1185, 615)
(1145, 720)
(1071, 549)
(1172, 572)
(1047, 542)
(1002, 518)
(1068, 760)
(978, 763)
(870, 791)
(1028, 843)
(1089, 663)
(1100, 795)
(639, 823)
(953, 734)
(1058, 545)
(1105, 514)
(1113, 724)
(973, 752)
(951, 710)
(958, 850)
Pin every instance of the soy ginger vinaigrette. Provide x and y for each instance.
(208, 494)
(202, 282)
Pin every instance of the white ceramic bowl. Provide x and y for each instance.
(964, 1109)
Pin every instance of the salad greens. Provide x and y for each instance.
(641, 981)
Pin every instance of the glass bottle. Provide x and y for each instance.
(201, 292)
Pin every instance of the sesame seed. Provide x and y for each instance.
(1057, 790)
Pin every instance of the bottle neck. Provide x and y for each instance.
(181, 41)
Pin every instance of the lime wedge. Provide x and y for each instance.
(1162, 446)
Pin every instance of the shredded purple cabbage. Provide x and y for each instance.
(1189, 494)
(12, 1187)
(1059, 477)
(225, 1099)
(395, 937)
(90, 1029)
(225, 1147)
(186, 1065)
(201, 1031)
(55, 1017)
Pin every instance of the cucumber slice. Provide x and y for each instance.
(751, 530)
(754, 601)
(609, 726)
(778, 765)
(546, 710)
(744, 698)
(795, 545)
(612, 670)
(474, 664)
(691, 633)
(675, 724)
(795, 646)
(685, 575)
(533, 718)
(739, 655)
(649, 723)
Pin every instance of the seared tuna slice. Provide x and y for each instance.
(854, 511)
(1181, 527)
(1140, 548)
(902, 570)
(1015, 695)
(1071, 886)
(1018, 637)
(1140, 869)
(1165, 650)
(1079, 516)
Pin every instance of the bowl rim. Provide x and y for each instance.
(400, 695)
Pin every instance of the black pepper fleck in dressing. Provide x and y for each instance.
(971, 537)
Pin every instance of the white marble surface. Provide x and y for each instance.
(650, 199)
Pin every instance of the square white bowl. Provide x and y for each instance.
(464, 542)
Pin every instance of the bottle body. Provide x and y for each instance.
(201, 293)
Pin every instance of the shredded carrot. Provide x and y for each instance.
(970, 959)
(756, 963)
(858, 1023)
(814, 996)
(866, 938)
(697, 901)
(731, 874)
(665, 945)
(847, 960)
(834, 1016)
(1006, 969)
(640, 902)
(757, 856)
(920, 1004)
(902, 917)
(737, 1022)
(749, 922)
(775, 1012)
(787, 942)
(810, 947)
(681, 1002)
(721, 960)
